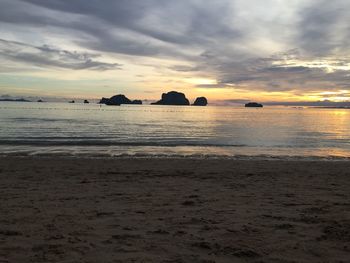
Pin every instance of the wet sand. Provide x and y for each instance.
(173, 210)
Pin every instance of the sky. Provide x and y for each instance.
(226, 50)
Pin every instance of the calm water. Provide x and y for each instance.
(78, 129)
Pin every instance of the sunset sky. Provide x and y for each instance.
(226, 50)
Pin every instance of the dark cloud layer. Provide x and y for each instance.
(219, 39)
(46, 56)
(324, 27)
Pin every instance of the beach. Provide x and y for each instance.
(56, 209)
(174, 131)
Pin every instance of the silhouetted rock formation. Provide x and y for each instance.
(40, 100)
(104, 101)
(253, 105)
(86, 102)
(72, 101)
(173, 98)
(201, 101)
(119, 100)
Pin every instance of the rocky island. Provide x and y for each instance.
(254, 105)
(201, 101)
(173, 98)
(119, 100)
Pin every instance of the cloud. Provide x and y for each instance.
(46, 56)
(271, 45)
(280, 72)
(324, 27)
(138, 28)
(179, 22)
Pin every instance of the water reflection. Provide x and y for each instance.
(174, 130)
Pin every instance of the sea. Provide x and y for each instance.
(93, 130)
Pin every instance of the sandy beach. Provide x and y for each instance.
(173, 210)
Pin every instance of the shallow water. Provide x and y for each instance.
(91, 130)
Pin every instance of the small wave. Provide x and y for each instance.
(91, 142)
(44, 120)
(261, 157)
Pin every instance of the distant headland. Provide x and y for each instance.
(15, 100)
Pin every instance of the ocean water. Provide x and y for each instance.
(234, 132)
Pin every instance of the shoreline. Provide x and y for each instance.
(173, 210)
(198, 157)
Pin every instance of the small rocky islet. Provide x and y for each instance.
(254, 105)
(201, 101)
(118, 100)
